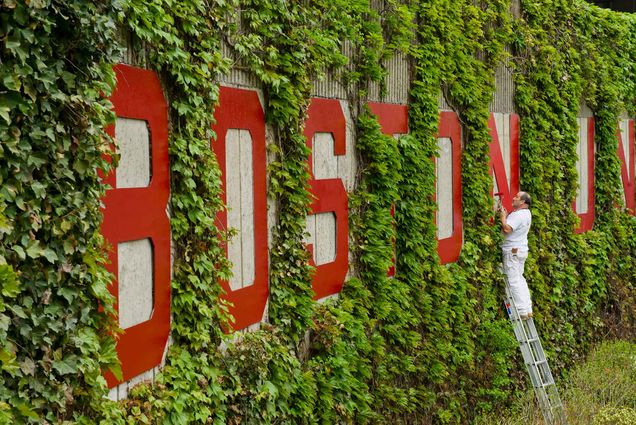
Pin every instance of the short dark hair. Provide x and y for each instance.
(526, 198)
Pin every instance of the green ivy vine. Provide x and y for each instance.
(585, 278)
(55, 340)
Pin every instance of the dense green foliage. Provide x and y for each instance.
(430, 343)
(586, 277)
(53, 338)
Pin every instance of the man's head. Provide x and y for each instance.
(521, 200)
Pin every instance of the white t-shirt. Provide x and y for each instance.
(520, 221)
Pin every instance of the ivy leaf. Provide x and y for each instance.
(39, 189)
(81, 166)
(18, 311)
(28, 366)
(66, 365)
(68, 294)
(12, 82)
(5, 225)
(9, 281)
(38, 4)
(19, 202)
(115, 369)
(66, 225)
(50, 255)
(20, 251)
(271, 388)
(26, 411)
(34, 250)
(7, 359)
(69, 246)
(4, 113)
(5, 321)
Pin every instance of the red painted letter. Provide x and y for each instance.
(626, 156)
(240, 150)
(500, 132)
(326, 116)
(133, 213)
(449, 247)
(393, 120)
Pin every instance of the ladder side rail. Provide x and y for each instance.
(532, 351)
(534, 356)
(522, 335)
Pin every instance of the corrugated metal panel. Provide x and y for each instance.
(397, 83)
(515, 8)
(503, 99)
(331, 85)
(442, 104)
(134, 52)
(238, 75)
(377, 4)
(584, 110)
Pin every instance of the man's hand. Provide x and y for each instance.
(504, 215)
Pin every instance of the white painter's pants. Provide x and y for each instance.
(513, 265)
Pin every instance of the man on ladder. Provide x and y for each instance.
(519, 307)
(515, 226)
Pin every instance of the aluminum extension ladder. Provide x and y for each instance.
(536, 362)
